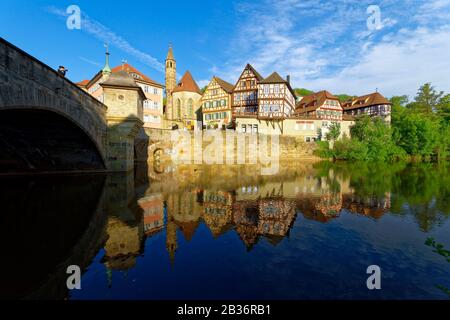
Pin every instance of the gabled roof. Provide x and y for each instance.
(258, 76)
(371, 99)
(121, 79)
(130, 69)
(276, 78)
(312, 101)
(249, 66)
(188, 228)
(228, 87)
(187, 83)
(273, 78)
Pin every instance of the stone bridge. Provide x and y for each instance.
(48, 124)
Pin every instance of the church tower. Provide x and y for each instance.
(171, 238)
(171, 81)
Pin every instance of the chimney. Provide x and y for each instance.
(288, 79)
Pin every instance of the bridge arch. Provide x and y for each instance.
(31, 88)
(42, 140)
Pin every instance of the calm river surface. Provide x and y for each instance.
(211, 232)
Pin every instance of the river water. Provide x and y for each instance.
(215, 232)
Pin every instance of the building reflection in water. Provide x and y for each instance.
(125, 228)
(250, 208)
(107, 211)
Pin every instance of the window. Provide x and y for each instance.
(146, 89)
(146, 118)
(243, 128)
(155, 104)
(155, 90)
(154, 119)
(178, 115)
(190, 108)
(266, 89)
(255, 128)
(276, 88)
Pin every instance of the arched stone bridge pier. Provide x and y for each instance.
(48, 124)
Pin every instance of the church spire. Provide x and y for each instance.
(106, 69)
(170, 53)
(171, 81)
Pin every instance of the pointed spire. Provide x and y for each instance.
(170, 53)
(109, 275)
(106, 69)
(172, 257)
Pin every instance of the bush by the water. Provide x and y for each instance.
(420, 129)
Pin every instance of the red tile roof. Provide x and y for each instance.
(228, 87)
(82, 83)
(130, 69)
(371, 99)
(187, 83)
(312, 101)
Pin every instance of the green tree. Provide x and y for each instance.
(416, 134)
(302, 92)
(344, 97)
(427, 99)
(399, 101)
(334, 131)
(443, 108)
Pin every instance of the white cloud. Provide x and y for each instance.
(106, 35)
(397, 67)
(326, 45)
(94, 63)
(202, 83)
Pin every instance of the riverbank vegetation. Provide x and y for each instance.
(419, 130)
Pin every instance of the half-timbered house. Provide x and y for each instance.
(245, 93)
(276, 98)
(216, 104)
(320, 105)
(373, 104)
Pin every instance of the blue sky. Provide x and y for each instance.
(321, 44)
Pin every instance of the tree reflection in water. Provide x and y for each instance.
(80, 217)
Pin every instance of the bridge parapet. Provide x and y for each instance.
(27, 83)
